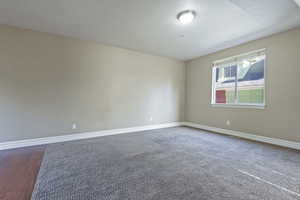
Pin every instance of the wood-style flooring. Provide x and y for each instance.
(18, 172)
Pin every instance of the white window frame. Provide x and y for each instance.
(236, 104)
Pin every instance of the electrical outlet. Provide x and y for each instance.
(151, 119)
(228, 123)
(74, 126)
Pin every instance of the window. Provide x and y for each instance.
(240, 80)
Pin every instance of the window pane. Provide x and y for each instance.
(250, 85)
(225, 84)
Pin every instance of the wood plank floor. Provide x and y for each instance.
(18, 172)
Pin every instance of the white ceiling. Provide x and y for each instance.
(151, 26)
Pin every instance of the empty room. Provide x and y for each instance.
(150, 100)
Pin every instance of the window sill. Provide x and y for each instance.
(253, 106)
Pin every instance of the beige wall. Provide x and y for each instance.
(47, 82)
(281, 117)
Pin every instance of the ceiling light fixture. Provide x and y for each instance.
(186, 17)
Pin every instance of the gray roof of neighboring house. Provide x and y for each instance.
(255, 72)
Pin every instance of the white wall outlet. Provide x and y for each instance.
(151, 119)
(74, 126)
(228, 123)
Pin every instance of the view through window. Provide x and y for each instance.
(240, 80)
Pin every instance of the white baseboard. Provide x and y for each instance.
(275, 141)
(87, 135)
(79, 136)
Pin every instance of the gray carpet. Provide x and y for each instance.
(168, 164)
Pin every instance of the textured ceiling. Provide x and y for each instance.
(151, 26)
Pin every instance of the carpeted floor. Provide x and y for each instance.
(168, 164)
